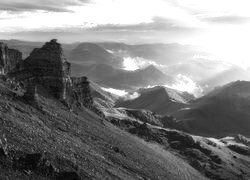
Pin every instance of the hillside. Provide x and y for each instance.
(80, 142)
(159, 99)
(222, 112)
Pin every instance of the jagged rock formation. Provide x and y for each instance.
(47, 70)
(9, 58)
(48, 67)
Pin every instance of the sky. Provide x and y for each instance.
(218, 26)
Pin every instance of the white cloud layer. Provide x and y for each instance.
(134, 63)
(185, 84)
(122, 93)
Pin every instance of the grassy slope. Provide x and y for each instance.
(85, 141)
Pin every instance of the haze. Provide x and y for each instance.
(218, 27)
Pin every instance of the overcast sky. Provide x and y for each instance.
(212, 24)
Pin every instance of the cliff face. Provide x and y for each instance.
(9, 58)
(47, 68)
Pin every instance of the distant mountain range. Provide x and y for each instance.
(166, 54)
(90, 53)
(116, 78)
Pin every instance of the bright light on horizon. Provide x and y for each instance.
(219, 27)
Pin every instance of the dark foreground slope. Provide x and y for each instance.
(76, 142)
(226, 158)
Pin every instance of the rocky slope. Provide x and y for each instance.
(226, 158)
(49, 141)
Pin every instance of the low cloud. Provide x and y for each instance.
(186, 84)
(122, 93)
(131, 96)
(134, 63)
(115, 91)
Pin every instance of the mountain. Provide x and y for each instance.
(52, 128)
(116, 78)
(161, 100)
(49, 141)
(225, 77)
(165, 54)
(96, 72)
(131, 80)
(90, 53)
(222, 112)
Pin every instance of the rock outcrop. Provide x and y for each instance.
(48, 67)
(47, 70)
(9, 58)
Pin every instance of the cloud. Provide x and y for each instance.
(186, 84)
(117, 92)
(157, 24)
(34, 5)
(122, 93)
(228, 19)
(134, 63)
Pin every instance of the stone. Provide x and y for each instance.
(47, 66)
(47, 70)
